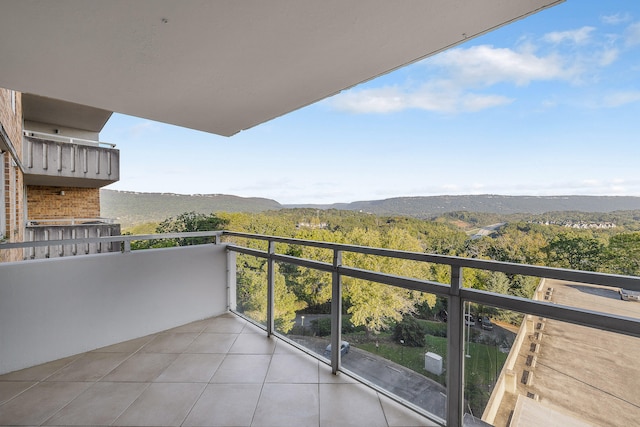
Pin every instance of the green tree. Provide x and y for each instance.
(622, 255)
(251, 294)
(183, 223)
(409, 332)
(375, 305)
(578, 252)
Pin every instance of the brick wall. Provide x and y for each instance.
(12, 200)
(48, 203)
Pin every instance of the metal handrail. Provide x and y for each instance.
(67, 139)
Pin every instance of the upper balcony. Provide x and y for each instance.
(59, 161)
(135, 338)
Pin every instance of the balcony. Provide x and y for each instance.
(70, 229)
(143, 327)
(60, 161)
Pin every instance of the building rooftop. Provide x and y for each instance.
(220, 371)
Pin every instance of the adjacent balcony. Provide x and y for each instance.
(70, 230)
(199, 335)
(59, 161)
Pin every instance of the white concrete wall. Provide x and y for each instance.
(54, 308)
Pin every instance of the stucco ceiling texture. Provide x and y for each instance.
(225, 66)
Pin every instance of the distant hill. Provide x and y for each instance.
(134, 208)
(427, 207)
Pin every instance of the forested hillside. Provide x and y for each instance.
(131, 208)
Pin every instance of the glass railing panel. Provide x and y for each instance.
(404, 354)
(251, 287)
(489, 335)
(303, 306)
(553, 370)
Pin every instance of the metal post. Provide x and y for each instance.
(231, 281)
(336, 312)
(455, 346)
(271, 275)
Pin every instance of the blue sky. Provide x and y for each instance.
(549, 105)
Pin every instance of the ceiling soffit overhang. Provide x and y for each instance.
(225, 66)
(53, 111)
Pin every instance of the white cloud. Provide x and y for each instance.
(475, 102)
(632, 34)
(608, 56)
(579, 36)
(459, 76)
(382, 100)
(618, 99)
(615, 19)
(487, 65)
(439, 96)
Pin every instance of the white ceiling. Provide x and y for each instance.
(224, 66)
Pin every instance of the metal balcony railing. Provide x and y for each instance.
(456, 294)
(67, 139)
(69, 229)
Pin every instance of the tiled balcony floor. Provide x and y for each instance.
(221, 371)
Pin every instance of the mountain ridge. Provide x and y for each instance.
(131, 207)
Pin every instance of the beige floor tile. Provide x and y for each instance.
(287, 405)
(284, 348)
(242, 369)
(292, 369)
(225, 405)
(325, 376)
(250, 328)
(162, 404)
(10, 389)
(229, 325)
(100, 404)
(191, 368)
(40, 402)
(343, 405)
(141, 367)
(39, 372)
(399, 416)
(89, 367)
(170, 343)
(197, 327)
(130, 346)
(212, 343)
(253, 344)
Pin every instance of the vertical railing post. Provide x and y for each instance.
(455, 348)
(232, 297)
(271, 275)
(336, 312)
